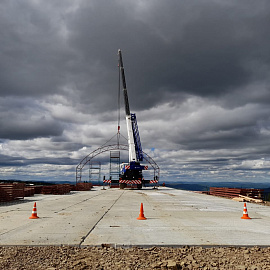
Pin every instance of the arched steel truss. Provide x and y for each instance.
(106, 148)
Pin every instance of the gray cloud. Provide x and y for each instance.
(197, 75)
(23, 119)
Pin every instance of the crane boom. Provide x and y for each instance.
(131, 172)
(131, 141)
(121, 67)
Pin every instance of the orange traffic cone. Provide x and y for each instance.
(34, 212)
(141, 215)
(245, 213)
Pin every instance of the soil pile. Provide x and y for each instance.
(65, 257)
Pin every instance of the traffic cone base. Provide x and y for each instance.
(244, 217)
(141, 215)
(245, 213)
(34, 212)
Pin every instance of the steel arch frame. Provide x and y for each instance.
(107, 148)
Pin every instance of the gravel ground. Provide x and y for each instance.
(65, 257)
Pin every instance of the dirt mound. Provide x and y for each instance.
(65, 257)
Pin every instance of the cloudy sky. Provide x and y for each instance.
(197, 75)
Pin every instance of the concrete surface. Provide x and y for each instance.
(174, 218)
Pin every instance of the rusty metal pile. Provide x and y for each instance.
(235, 192)
(29, 191)
(83, 186)
(15, 191)
(57, 189)
(11, 191)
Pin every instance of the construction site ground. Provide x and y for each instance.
(96, 217)
(98, 229)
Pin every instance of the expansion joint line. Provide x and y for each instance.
(78, 203)
(84, 237)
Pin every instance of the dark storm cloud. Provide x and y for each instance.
(23, 119)
(212, 54)
(19, 161)
(197, 74)
(33, 55)
(6, 160)
(205, 48)
(21, 130)
(53, 161)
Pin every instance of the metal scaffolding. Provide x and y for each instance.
(114, 165)
(95, 171)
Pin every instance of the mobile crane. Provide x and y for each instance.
(131, 173)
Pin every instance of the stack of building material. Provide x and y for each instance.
(249, 199)
(13, 191)
(6, 192)
(18, 190)
(56, 189)
(10, 192)
(253, 193)
(83, 186)
(38, 189)
(62, 189)
(29, 191)
(236, 192)
(225, 192)
(73, 187)
(48, 189)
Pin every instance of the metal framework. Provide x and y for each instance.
(106, 148)
(94, 171)
(114, 165)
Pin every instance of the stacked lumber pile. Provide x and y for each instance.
(255, 195)
(48, 189)
(18, 190)
(56, 189)
(225, 192)
(83, 186)
(248, 199)
(62, 189)
(12, 191)
(29, 191)
(38, 189)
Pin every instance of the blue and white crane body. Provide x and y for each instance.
(131, 173)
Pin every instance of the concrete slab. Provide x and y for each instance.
(174, 217)
(64, 219)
